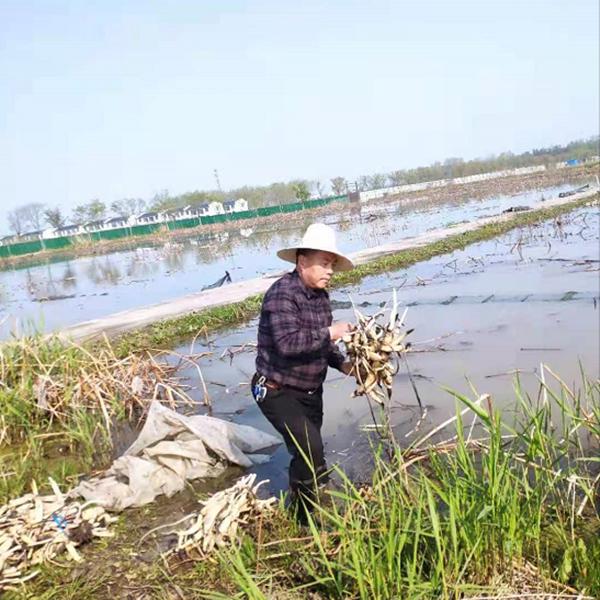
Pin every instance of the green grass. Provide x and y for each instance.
(59, 402)
(515, 510)
(166, 333)
(504, 507)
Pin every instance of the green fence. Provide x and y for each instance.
(59, 243)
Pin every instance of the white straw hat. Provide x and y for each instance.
(318, 236)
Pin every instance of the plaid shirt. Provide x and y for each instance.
(294, 346)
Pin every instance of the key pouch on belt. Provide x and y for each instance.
(259, 390)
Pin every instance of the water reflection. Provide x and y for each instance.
(69, 279)
(103, 271)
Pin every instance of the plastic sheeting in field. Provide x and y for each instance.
(170, 450)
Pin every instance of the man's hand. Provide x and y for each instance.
(339, 330)
(346, 367)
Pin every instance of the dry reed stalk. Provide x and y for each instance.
(217, 523)
(52, 380)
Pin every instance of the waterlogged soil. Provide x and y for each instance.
(58, 294)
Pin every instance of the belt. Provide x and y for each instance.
(273, 385)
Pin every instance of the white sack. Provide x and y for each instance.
(171, 449)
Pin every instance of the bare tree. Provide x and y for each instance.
(363, 183)
(128, 207)
(55, 218)
(377, 181)
(16, 221)
(34, 215)
(397, 177)
(80, 214)
(339, 186)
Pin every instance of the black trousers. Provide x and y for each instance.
(298, 417)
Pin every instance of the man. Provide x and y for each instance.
(295, 347)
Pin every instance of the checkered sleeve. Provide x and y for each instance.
(289, 337)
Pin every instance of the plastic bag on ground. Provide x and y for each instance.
(171, 449)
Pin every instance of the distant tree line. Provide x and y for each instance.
(256, 196)
(35, 216)
(457, 167)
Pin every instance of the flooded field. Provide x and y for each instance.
(58, 294)
(482, 317)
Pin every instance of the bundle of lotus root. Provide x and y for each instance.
(373, 349)
(217, 523)
(35, 528)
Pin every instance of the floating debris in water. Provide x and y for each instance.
(225, 279)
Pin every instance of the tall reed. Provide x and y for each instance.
(491, 509)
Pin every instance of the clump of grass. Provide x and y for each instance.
(511, 509)
(168, 332)
(59, 402)
(48, 382)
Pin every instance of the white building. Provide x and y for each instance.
(48, 233)
(239, 205)
(120, 222)
(215, 208)
(67, 230)
(93, 226)
(202, 209)
(149, 217)
(7, 240)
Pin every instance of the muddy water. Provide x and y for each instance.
(63, 293)
(527, 298)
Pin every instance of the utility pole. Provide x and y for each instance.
(217, 180)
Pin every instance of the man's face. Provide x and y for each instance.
(316, 268)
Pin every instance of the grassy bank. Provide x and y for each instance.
(169, 332)
(510, 509)
(491, 507)
(60, 402)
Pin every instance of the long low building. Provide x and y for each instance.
(205, 209)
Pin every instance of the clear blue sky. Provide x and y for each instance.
(118, 99)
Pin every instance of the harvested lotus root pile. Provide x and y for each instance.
(220, 518)
(35, 528)
(374, 348)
